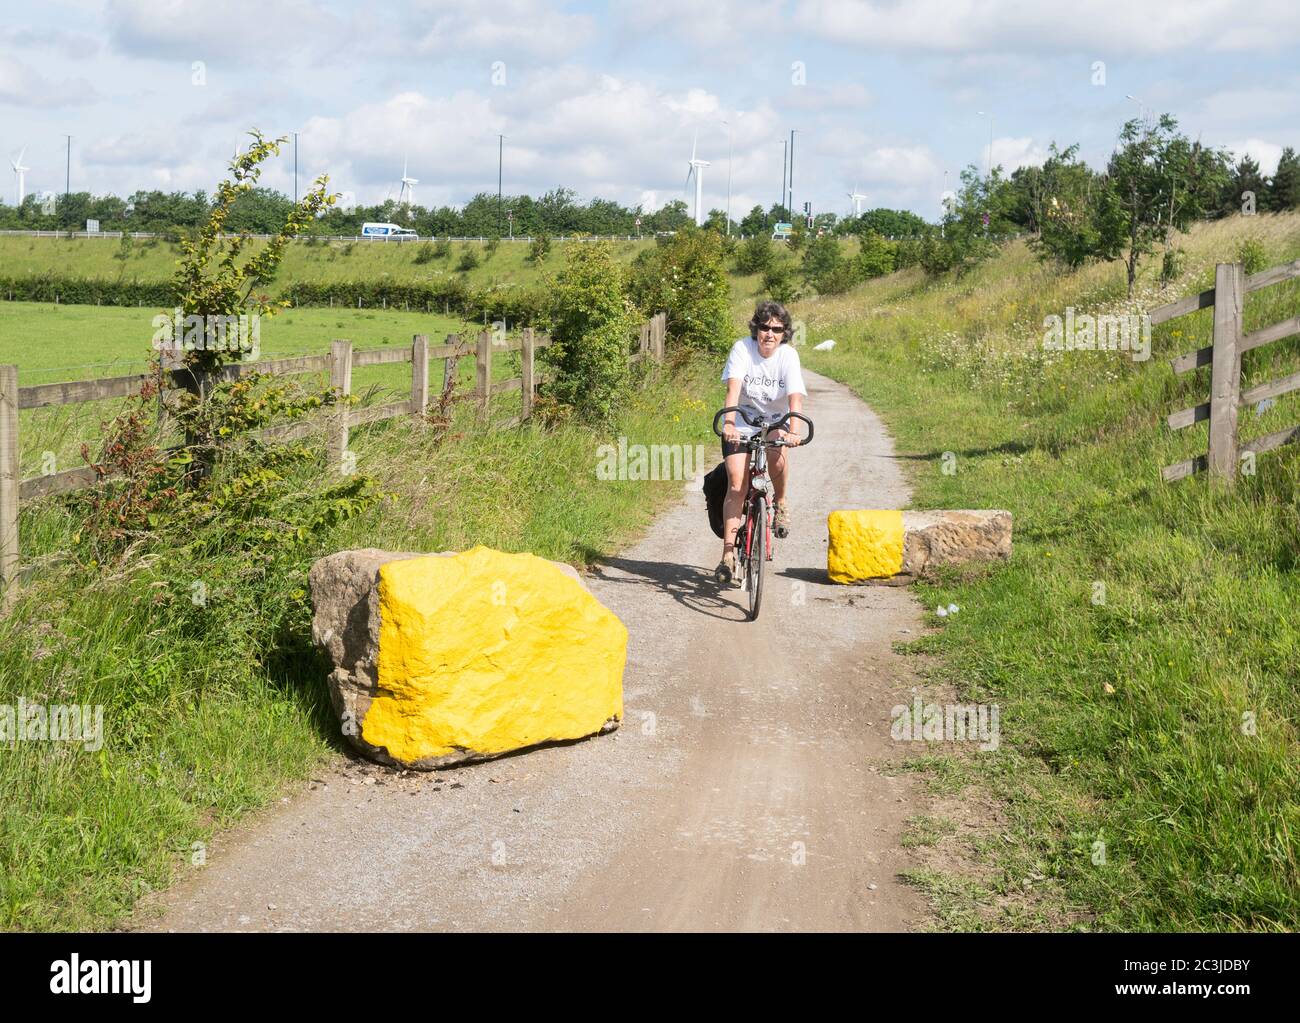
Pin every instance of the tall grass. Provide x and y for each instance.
(1142, 640)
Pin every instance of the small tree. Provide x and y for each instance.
(1161, 182)
(591, 326)
(1284, 191)
(754, 223)
(754, 255)
(1076, 213)
(1246, 179)
(875, 257)
(211, 282)
(781, 281)
(468, 258)
(539, 249)
(686, 277)
(825, 268)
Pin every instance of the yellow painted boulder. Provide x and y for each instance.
(883, 544)
(864, 544)
(447, 658)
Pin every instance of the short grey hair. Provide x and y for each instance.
(764, 312)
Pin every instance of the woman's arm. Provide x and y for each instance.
(733, 398)
(792, 435)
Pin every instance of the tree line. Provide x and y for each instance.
(264, 210)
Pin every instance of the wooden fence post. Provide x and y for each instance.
(658, 330)
(526, 353)
(10, 479)
(484, 372)
(341, 382)
(420, 375)
(643, 347)
(1225, 370)
(449, 368)
(169, 360)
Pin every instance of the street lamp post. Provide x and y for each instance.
(728, 127)
(501, 143)
(943, 201)
(989, 171)
(785, 156)
(791, 206)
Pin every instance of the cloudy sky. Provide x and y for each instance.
(606, 99)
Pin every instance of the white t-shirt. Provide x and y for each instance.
(766, 383)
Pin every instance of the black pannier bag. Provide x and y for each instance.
(715, 493)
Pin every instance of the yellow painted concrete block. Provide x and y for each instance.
(865, 544)
(488, 652)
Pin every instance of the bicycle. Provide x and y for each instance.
(756, 513)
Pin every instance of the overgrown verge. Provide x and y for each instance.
(1141, 642)
(200, 656)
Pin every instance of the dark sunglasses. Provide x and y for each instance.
(770, 330)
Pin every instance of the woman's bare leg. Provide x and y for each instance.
(737, 483)
(779, 466)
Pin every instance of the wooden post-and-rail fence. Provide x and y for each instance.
(1223, 356)
(338, 420)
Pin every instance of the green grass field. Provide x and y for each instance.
(155, 260)
(1141, 642)
(52, 343)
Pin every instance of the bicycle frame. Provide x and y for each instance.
(760, 484)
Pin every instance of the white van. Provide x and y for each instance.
(387, 231)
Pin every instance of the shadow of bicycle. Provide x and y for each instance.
(692, 587)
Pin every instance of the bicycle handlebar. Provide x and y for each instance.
(759, 424)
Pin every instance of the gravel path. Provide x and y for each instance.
(748, 789)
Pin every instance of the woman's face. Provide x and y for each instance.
(770, 335)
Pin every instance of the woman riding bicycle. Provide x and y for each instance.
(763, 378)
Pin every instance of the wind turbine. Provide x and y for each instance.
(406, 189)
(695, 167)
(20, 170)
(856, 198)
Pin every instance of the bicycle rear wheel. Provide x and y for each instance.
(757, 555)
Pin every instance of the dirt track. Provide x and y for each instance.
(748, 788)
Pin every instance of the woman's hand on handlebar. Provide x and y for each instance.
(729, 433)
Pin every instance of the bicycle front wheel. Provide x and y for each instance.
(757, 550)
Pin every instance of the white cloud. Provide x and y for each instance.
(1012, 153)
(23, 85)
(899, 165)
(844, 96)
(499, 28)
(742, 27)
(1098, 27)
(1266, 154)
(237, 30)
(133, 148)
